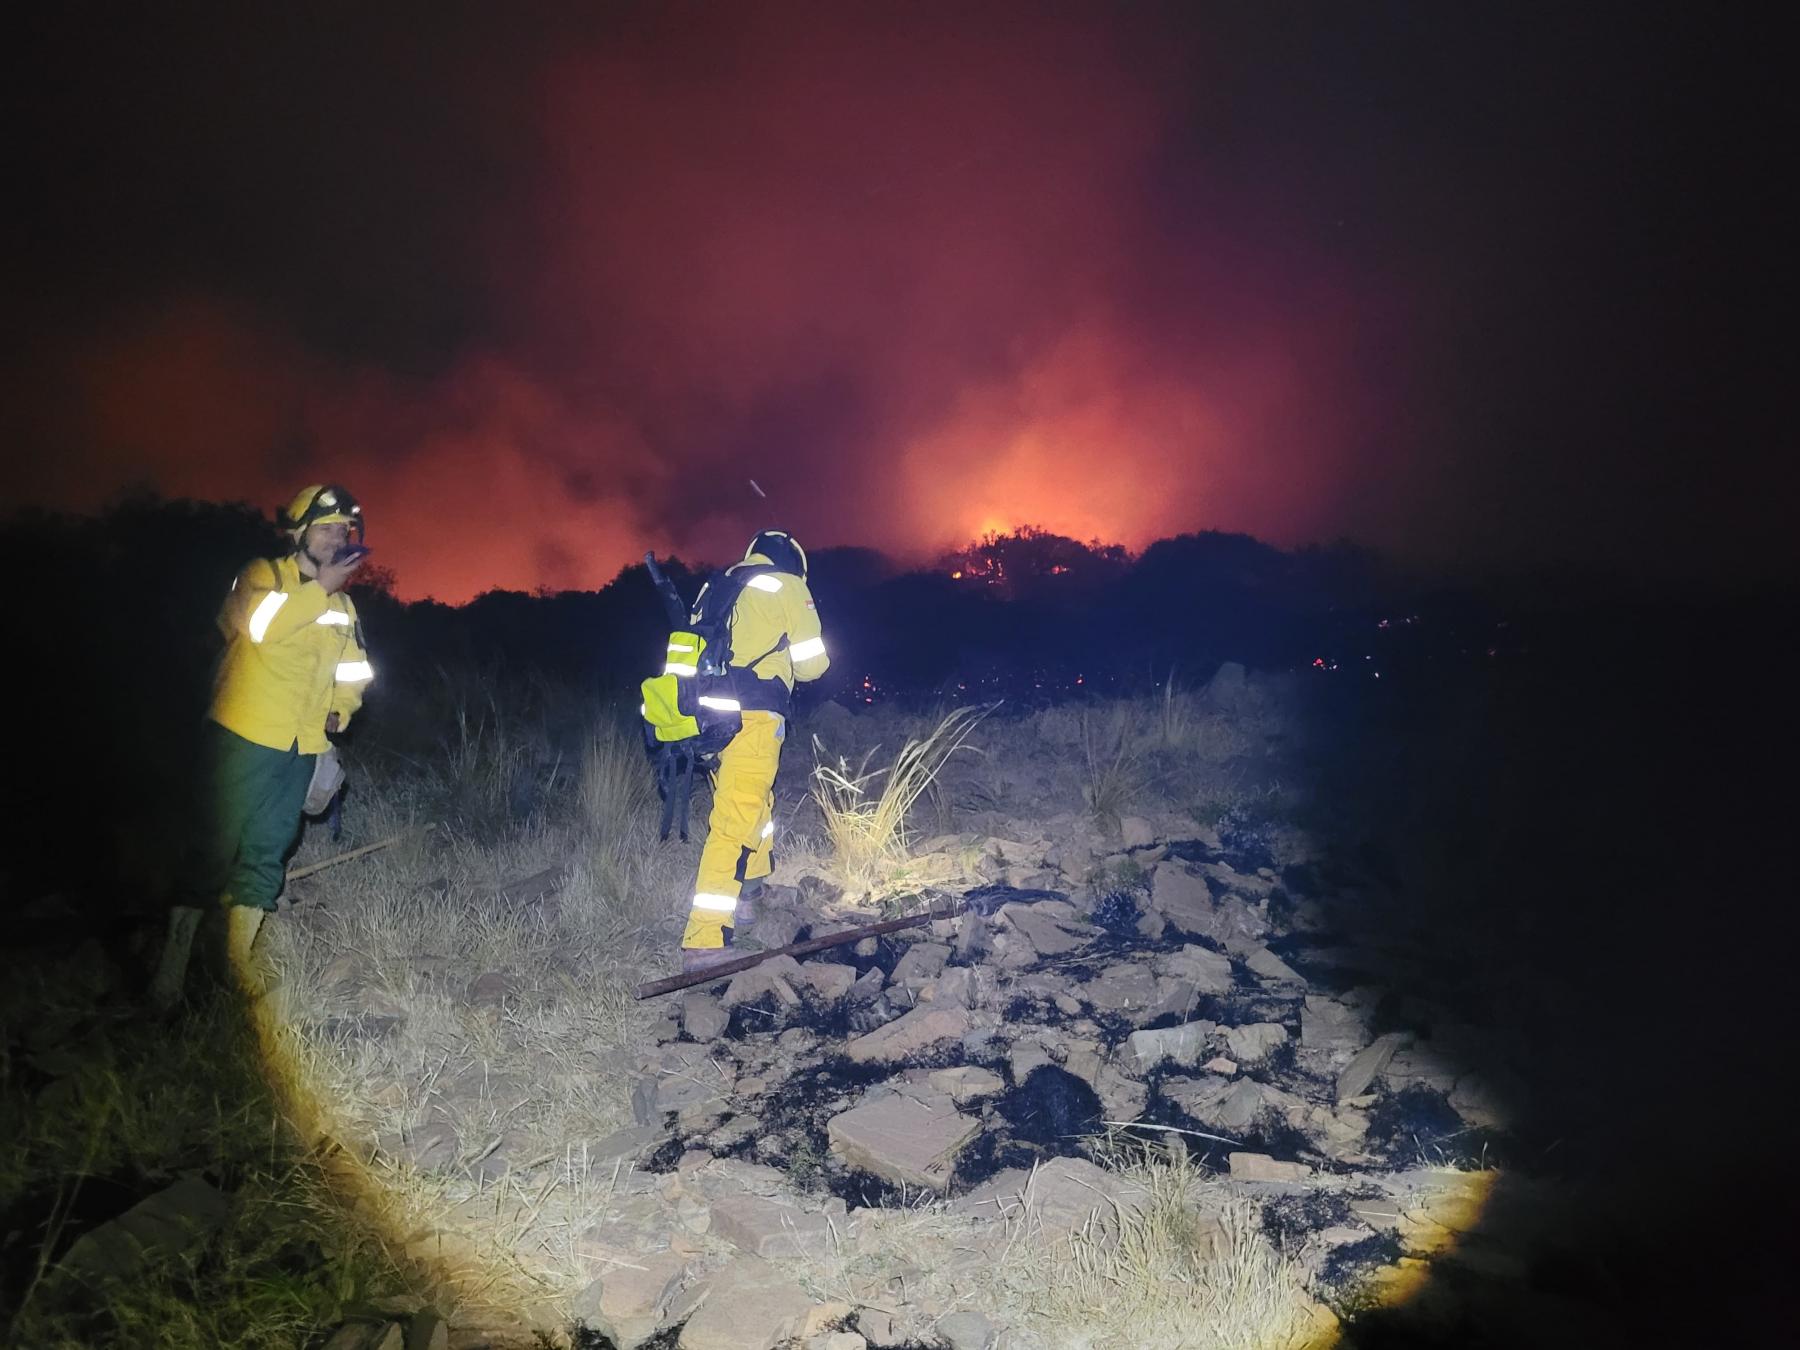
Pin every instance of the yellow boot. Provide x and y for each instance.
(242, 922)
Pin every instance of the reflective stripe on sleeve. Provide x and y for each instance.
(720, 704)
(350, 672)
(334, 616)
(725, 904)
(764, 582)
(680, 668)
(264, 614)
(768, 829)
(805, 651)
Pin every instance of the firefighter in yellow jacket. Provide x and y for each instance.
(293, 670)
(775, 640)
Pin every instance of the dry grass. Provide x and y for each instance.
(416, 1001)
(1117, 772)
(868, 830)
(1184, 1270)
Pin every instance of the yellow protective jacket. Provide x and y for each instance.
(774, 605)
(293, 655)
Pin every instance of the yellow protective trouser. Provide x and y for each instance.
(741, 830)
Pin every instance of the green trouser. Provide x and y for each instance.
(250, 812)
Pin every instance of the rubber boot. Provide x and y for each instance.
(242, 923)
(705, 958)
(170, 979)
(745, 913)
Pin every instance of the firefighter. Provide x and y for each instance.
(775, 640)
(293, 672)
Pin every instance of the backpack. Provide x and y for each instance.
(692, 710)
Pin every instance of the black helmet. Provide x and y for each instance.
(781, 549)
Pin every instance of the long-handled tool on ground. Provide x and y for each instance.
(818, 944)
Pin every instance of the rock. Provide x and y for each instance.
(170, 1224)
(1059, 1197)
(630, 1142)
(1339, 1134)
(1481, 1101)
(868, 986)
(1369, 1062)
(823, 1318)
(1224, 1103)
(1261, 1167)
(1026, 1056)
(749, 985)
(1046, 936)
(920, 964)
(973, 941)
(1326, 1024)
(1265, 963)
(966, 1083)
(836, 1340)
(1422, 1063)
(1254, 1043)
(967, 1331)
(1183, 898)
(1219, 1064)
(1152, 925)
(1136, 832)
(908, 1035)
(702, 1016)
(1123, 1097)
(954, 988)
(675, 1078)
(1183, 1044)
(749, 1305)
(634, 1292)
(877, 1324)
(768, 1228)
(902, 1139)
(1208, 971)
(1124, 987)
(828, 980)
(586, 1311)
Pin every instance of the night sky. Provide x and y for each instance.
(547, 287)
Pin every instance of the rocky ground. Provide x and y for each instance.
(1157, 1034)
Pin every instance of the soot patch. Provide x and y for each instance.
(1117, 912)
(1414, 1122)
(1051, 1109)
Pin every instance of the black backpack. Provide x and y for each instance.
(692, 710)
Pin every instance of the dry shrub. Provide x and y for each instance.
(867, 829)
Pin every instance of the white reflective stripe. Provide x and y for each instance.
(349, 672)
(768, 829)
(764, 582)
(720, 704)
(805, 651)
(723, 903)
(680, 668)
(681, 647)
(334, 616)
(265, 614)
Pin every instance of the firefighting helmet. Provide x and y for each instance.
(781, 549)
(322, 504)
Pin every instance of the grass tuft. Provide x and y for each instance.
(867, 829)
